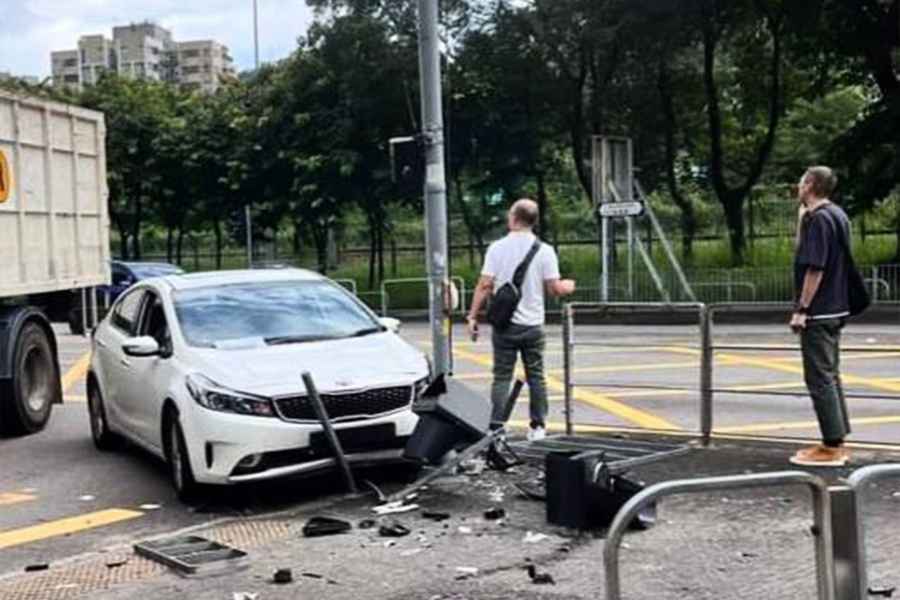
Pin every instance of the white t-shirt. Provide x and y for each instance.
(500, 262)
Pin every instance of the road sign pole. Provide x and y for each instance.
(435, 181)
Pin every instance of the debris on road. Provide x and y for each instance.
(392, 508)
(435, 515)
(114, 564)
(192, 555)
(87, 498)
(539, 578)
(534, 538)
(885, 592)
(283, 576)
(464, 529)
(466, 572)
(321, 526)
(37, 567)
(367, 524)
(494, 514)
(244, 596)
(150, 506)
(393, 529)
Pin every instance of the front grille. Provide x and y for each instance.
(367, 403)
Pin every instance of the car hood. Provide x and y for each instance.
(335, 365)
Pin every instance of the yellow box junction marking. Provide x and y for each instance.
(600, 401)
(16, 537)
(7, 498)
(804, 425)
(77, 372)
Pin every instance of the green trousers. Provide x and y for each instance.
(820, 344)
(508, 344)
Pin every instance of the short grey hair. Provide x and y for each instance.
(525, 211)
(823, 181)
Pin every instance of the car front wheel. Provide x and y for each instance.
(104, 439)
(186, 486)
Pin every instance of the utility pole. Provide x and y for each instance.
(435, 182)
(256, 34)
(248, 220)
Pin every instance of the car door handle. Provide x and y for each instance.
(102, 344)
(125, 363)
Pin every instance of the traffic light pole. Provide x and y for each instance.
(435, 182)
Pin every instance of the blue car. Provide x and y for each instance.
(124, 275)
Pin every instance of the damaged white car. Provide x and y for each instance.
(204, 371)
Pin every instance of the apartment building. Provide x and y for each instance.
(147, 51)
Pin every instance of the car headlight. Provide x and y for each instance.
(213, 396)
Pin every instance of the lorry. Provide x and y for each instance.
(54, 241)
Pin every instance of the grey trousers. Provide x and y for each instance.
(508, 344)
(820, 344)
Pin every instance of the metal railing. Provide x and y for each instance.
(388, 283)
(825, 571)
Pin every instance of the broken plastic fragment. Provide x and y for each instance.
(394, 507)
(113, 564)
(37, 567)
(319, 526)
(534, 538)
(244, 596)
(886, 592)
(435, 516)
(87, 498)
(467, 570)
(493, 514)
(539, 578)
(283, 576)
(393, 529)
(150, 506)
(464, 530)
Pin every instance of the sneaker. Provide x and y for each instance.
(821, 456)
(536, 434)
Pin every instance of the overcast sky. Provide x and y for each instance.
(31, 29)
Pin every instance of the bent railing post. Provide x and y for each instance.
(821, 510)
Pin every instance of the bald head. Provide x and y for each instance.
(523, 214)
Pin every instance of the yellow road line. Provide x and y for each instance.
(606, 369)
(16, 537)
(604, 403)
(804, 425)
(7, 498)
(77, 372)
(583, 429)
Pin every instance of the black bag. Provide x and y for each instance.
(857, 295)
(506, 299)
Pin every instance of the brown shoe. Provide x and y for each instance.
(821, 456)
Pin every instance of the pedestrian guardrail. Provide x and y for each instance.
(389, 283)
(825, 567)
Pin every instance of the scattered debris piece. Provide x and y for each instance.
(435, 516)
(886, 592)
(493, 514)
(381, 496)
(37, 567)
(367, 524)
(244, 596)
(473, 467)
(464, 529)
(393, 529)
(87, 498)
(283, 576)
(534, 538)
(532, 490)
(466, 572)
(411, 552)
(312, 575)
(150, 506)
(539, 578)
(749, 555)
(192, 555)
(389, 543)
(115, 564)
(497, 496)
(321, 526)
(895, 495)
(392, 508)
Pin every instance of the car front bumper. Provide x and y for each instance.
(218, 442)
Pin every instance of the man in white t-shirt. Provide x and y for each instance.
(526, 333)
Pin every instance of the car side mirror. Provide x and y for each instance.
(141, 347)
(391, 323)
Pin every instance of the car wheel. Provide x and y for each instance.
(104, 439)
(186, 486)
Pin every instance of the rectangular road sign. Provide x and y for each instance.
(622, 209)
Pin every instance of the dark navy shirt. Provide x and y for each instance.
(820, 248)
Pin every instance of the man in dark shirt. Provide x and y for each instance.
(821, 306)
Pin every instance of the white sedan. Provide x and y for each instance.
(204, 371)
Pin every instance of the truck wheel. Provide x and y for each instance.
(35, 383)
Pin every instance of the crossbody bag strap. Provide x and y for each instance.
(519, 275)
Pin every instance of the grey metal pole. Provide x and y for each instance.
(435, 180)
(568, 321)
(328, 430)
(256, 34)
(604, 266)
(248, 221)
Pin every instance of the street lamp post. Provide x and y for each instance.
(435, 181)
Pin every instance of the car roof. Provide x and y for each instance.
(216, 278)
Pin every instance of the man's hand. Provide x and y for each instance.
(566, 287)
(798, 322)
(472, 327)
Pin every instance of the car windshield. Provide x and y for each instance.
(154, 270)
(248, 314)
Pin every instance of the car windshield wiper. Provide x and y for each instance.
(296, 339)
(366, 331)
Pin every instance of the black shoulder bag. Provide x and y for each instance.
(857, 295)
(506, 299)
